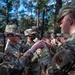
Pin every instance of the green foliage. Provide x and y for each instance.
(25, 23)
(26, 18)
(42, 4)
(2, 28)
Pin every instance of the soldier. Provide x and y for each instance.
(60, 39)
(45, 58)
(33, 67)
(63, 61)
(12, 47)
(13, 55)
(38, 33)
(30, 36)
(44, 54)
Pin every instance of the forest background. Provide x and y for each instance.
(30, 13)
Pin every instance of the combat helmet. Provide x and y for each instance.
(29, 32)
(65, 11)
(12, 29)
(62, 62)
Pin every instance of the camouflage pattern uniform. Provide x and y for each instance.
(45, 60)
(33, 66)
(16, 62)
(68, 57)
(64, 60)
(13, 51)
(45, 56)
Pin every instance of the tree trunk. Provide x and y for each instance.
(58, 6)
(37, 17)
(42, 27)
(7, 11)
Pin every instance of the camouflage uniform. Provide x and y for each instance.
(65, 59)
(45, 60)
(14, 61)
(63, 62)
(45, 56)
(13, 51)
(33, 66)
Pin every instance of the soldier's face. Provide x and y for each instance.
(65, 24)
(32, 36)
(10, 37)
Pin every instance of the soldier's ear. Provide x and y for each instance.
(70, 21)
